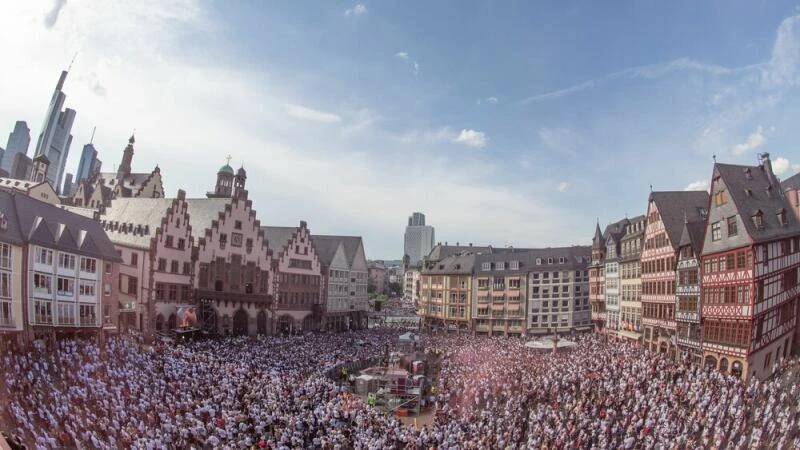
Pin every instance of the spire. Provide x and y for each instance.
(127, 158)
(597, 241)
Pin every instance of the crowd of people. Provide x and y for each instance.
(491, 393)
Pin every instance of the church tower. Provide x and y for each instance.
(39, 170)
(127, 157)
(224, 187)
(239, 181)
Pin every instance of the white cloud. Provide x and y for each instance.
(472, 138)
(780, 166)
(304, 113)
(403, 56)
(563, 186)
(699, 185)
(490, 100)
(358, 10)
(754, 141)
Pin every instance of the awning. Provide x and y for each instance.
(629, 334)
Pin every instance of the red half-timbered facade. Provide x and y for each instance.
(750, 266)
(667, 213)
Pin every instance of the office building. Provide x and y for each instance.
(18, 142)
(419, 238)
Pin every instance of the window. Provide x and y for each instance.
(66, 261)
(162, 264)
(134, 259)
(782, 216)
(5, 256)
(168, 241)
(133, 284)
(716, 231)
(87, 316)
(42, 311)
(44, 256)
(86, 289)
(181, 243)
(720, 198)
(223, 240)
(486, 266)
(732, 228)
(42, 284)
(65, 286)
(108, 267)
(757, 220)
(514, 265)
(88, 265)
(5, 285)
(187, 268)
(237, 225)
(174, 266)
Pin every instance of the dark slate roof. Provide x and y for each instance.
(791, 183)
(597, 241)
(462, 263)
(326, 248)
(677, 206)
(12, 234)
(350, 244)
(575, 257)
(202, 211)
(768, 201)
(50, 226)
(278, 237)
(440, 252)
(693, 234)
(146, 212)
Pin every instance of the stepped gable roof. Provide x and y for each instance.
(753, 191)
(144, 214)
(278, 237)
(12, 232)
(674, 206)
(51, 226)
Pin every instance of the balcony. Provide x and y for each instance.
(88, 321)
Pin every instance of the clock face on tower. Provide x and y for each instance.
(236, 239)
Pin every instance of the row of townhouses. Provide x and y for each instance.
(118, 255)
(506, 291)
(712, 278)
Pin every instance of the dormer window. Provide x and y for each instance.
(514, 265)
(748, 192)
(768, 190)
(781, 216)
(538, 261)
(758, 220)
(486, 266)
(549, 260)
(747, 174)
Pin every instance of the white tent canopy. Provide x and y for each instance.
(409, 337)
(547, 344)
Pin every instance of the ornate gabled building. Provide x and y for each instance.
(344, 281)
(791, 189)
(666, 213)
(630, 280)
(298, 278)
(98, 190)
(750, 262)
(687, 291)
(154, 281)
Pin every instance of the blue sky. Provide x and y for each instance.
(518, 123)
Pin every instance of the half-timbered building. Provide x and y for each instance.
(666, 214)
(687, 291)
(750, 264)
(597, 280)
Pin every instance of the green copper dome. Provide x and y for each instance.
(226, 169)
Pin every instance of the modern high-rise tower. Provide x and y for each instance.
(86, 164)
(55, 138)
(18, 142)
(419, 238)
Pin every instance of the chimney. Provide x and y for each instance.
(766, 165)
